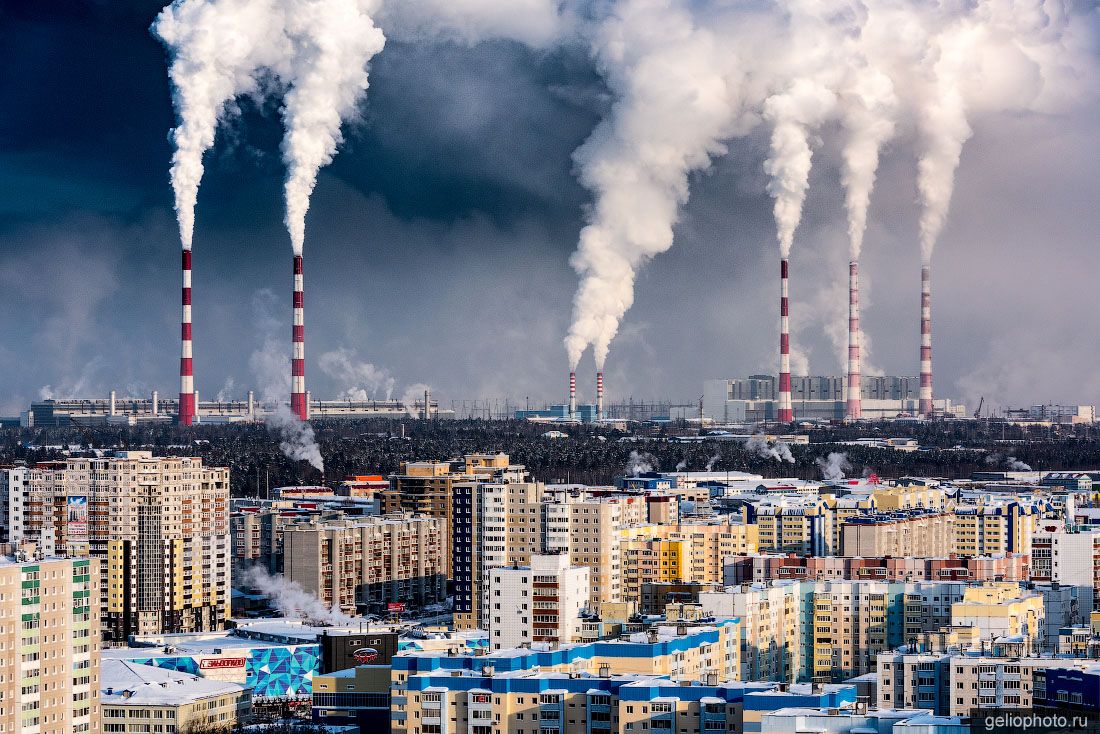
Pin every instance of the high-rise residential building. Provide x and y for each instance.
(364, 564)
(757, 568)
(899, 534)
(428, 487)
(996, 527)
(829, 630)
(541, 602)
(49, 646)
(159, 526)
(1070, 557)
(1002, 610)
(772, 617)
(13, 493)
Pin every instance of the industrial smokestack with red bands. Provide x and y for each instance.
(298, 401)
(785, 413)
(599, 395)
(572, 396)
(925, 407)
(187, 375)
(855, 404)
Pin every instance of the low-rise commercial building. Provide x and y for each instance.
(137, 699)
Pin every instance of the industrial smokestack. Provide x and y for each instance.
(298, 401)
(187, 378)
(251, 404)
(785, 413)
(855, 405)
(427, 403)
(156, 402)
(572, 395)
(925, 407)
(599, 395)
(113, 411)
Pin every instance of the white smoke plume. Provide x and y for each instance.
(834, 466)
(778, 450)
(268, 364)
(794, 114)
(296, 438)
(869, 108)
(1009, 462)
(227, 390)
(681, 465)
(415, 394)
(674, 106)
(291, 599)
(333, 42)
(713, 461)
(219, 51)
(639, 463)
(360, 381)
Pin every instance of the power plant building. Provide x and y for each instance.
(756, 398)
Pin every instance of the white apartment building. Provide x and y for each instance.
(541, 602)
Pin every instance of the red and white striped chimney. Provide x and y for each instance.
(925, 406)
(187, 375)
(572, 395)
(599, 395)
(298, 401)
(855, 403)
(785, 413)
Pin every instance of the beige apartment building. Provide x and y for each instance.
(159, 526)
(364, 564)
(139, 699)
(905, 534)
(49, 646)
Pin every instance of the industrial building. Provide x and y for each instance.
(115, 410)
(755, 398)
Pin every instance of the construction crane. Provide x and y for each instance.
(978, 412)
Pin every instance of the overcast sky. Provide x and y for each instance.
(437, 245)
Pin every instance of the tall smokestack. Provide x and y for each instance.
(187, 376)
(298, 403)
(599, 395)
(855, 405)
(572, 396)
(925, 407)
(785, 413)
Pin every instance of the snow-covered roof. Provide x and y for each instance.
(123, 683)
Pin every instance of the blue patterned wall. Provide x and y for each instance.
(269, 671)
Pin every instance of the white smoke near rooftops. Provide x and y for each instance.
(415, 394)
(290, 598)
(777, 450)
(713, 461)
(834, 466)
(640, 463)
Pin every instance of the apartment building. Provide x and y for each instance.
(13, 493)
(901, 534)
(159, 526)
(1002, 610)
(585, 526)
(996, 527)
(771, 623)
(363, 564)
(951, 684)
(138, 699)
(799, 525)
(760, 568)
(49, 646)
(1070, 557)
(538, 603)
